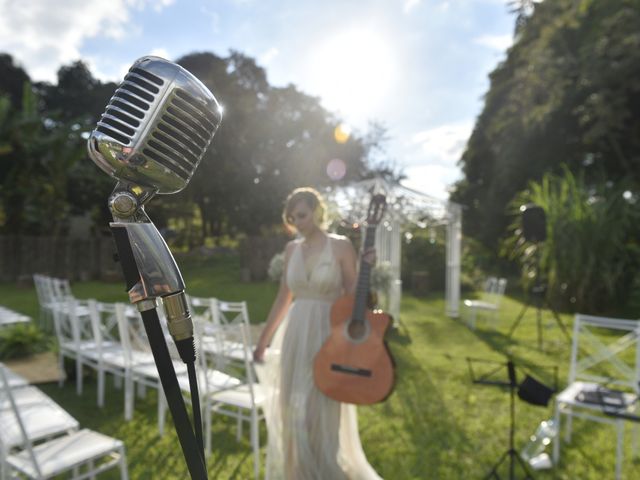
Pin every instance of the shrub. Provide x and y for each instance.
(425, 252)
(21, 340)
(591, 255)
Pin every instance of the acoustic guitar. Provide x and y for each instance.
(354, 365)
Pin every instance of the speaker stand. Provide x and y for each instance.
(538, 293)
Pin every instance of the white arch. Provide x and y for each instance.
(405, 207)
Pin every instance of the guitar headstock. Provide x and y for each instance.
(377, 207)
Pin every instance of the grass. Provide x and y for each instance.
(436, 424)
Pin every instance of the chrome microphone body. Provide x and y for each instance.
(156, 127)
(151, 138)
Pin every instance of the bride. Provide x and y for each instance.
(311, 437)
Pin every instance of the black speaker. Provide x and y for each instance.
(534, 223)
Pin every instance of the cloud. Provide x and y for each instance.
(160, 52)
(443, 145)
(267, 57)
(410, 5)
(433, 180)
(430, 157)
(42, 38)
(495, 42)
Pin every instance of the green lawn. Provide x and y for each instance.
(436, 424)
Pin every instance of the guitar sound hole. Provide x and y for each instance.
(357, 331)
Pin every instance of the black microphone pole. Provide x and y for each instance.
(191, 450)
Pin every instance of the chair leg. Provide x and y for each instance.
(567, 435)
(619, 453)
(556, 443)
(63, 374)
(79, 375)
(161, 410)
(101, 375)
(128, 396)
(124, 471)
(207, 428)
(255, 443)
(239, 428)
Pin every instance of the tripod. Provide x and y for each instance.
(511, 454)
(538, 293)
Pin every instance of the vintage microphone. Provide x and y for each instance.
(151, 138)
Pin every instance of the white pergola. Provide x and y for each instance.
(404, 207)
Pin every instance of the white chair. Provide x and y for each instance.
(10, 318)
(46, 300)
(211, 313)
(242, 401)
(489, 302)
(73, 329)
(112, 355)
(40, 417)
(202, 309)
(83, 453)
(139, 365)
(13, 379)
(605, 355)
(52, 295)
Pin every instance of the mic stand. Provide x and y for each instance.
(538, 292)
(151, 272)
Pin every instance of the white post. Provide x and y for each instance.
(454, 237)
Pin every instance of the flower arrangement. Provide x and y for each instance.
(381, 277)
(276, 267)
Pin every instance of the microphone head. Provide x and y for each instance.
(156, 127)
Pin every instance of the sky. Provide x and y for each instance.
(418, 67)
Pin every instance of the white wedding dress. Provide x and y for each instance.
(310, 436)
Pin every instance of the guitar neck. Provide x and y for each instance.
(362, 289)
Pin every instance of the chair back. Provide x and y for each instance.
(606, 351)
(232, 313)
(203, 310)
(224, 351)
(493, 290)
(69, 327)
(6, 398)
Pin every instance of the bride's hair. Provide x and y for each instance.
(312, 198)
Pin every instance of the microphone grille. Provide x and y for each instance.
(156, 127)
(129, 105)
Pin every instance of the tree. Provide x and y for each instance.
(12, 79)
(35, 158)
(568, 93)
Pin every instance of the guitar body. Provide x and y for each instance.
(357, 368)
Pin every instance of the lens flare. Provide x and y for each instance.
(342, 133)
(336, 169)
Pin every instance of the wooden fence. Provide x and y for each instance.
(92, 258)
(88, 258)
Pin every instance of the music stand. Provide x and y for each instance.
(530, 390)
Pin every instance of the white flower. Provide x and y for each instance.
(276, 266)
(381, 277)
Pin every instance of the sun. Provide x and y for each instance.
(352, 71)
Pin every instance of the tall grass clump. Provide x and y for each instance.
(590, 257)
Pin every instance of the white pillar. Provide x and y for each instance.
(454, 237)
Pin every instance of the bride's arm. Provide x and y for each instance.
(278, 310)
